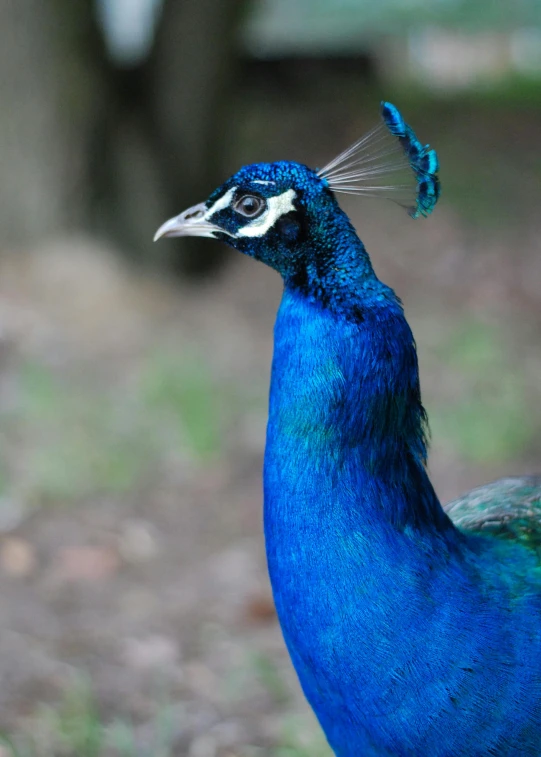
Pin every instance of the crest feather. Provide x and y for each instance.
(390, 162)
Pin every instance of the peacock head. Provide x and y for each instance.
(268, 211)
(287, 215)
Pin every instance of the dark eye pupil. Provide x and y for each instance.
(249, 205)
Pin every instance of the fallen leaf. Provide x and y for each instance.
(86, 563)
(260, 609)
(17, 557)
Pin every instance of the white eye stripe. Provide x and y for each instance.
(222, 203)
(276, 207)
(260, 181)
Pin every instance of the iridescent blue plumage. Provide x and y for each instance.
(413, 634)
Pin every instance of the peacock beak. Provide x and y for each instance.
(191, 223)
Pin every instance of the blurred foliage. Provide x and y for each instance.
(270, 677)
(180, 393)
(75, 728)
(301, 739)
(78, 441)
(491, 421)
(257, 670)
(318, 26)
(460, 14)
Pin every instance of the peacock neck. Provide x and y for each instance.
(346, 433)
(361, 556)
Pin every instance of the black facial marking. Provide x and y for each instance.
(290, 227)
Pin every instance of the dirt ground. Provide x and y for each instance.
(133, 417)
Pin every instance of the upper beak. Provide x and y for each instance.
(190, 223)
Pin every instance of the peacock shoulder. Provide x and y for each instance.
(509, 508)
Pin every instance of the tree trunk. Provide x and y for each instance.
(86, 144)
(49, 90)
(192, 80)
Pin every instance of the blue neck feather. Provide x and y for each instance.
(345, 383)
(347, 494)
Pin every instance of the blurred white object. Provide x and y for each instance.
(129, 27)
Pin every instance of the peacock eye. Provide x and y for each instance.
(249, 206)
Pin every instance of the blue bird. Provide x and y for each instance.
(415, 631)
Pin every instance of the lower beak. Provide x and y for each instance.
(190, 223)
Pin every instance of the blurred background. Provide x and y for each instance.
(136, 616)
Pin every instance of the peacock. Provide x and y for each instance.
(415, 630)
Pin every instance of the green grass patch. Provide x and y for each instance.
(75, 728)
(179, 390)
(75, 440)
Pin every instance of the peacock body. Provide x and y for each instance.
(414, 631)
